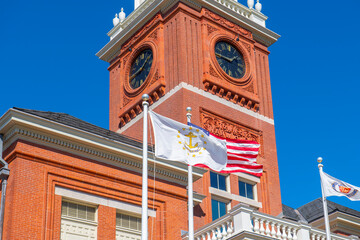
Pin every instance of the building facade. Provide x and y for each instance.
(72, 180)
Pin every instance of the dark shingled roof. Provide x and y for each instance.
(314, 210)
(74, 122)
(289, 213)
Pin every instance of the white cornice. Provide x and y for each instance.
(340, 221)
(247, 18)
(16, 125)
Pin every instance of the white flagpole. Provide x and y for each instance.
(144, 208)
(190, 190)
(326, 214)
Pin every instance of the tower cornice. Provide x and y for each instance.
(249, 19)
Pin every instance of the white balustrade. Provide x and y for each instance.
(317, 234)
(255, 15)
(243, 219)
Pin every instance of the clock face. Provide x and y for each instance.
(230, 59)
(140, 68)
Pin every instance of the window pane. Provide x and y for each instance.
(91, 213)
(242, 189)
(125, 221)
(215, 209)
(139, 224)
(214, 180)
(133, 222)
(249, 191)
(222, 182)
(64, 208)
(118, 219)
(82, 211)
(222, 207)
(72, 210)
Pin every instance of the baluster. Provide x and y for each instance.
(218, 235)
(267, 228)
(230, 228)
(224, 232)
(295, 234)
(203, 237)
(278, 235)
(318, 237)
(312, 236)
(208, 234)
(198, 238)
(273, 232)
(289, 236)
(213, 234)
(256, 225)
(283, 236)
(262, 229)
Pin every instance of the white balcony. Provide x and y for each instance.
(245, 223)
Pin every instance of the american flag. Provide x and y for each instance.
(241, 155)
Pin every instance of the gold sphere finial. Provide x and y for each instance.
(145, 97)
(319, 159)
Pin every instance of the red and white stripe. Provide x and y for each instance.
(241, 157)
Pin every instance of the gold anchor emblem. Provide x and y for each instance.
(191, 136)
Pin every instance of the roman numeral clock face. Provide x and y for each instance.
(140, 68)
(230, 59)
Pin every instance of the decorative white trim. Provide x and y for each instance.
(248, 178)
(94, 199)
(87, 150)
(15, 124)
(249, 19)
(204, 94)
(225, 196)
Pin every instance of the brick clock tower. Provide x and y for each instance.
(209, 55)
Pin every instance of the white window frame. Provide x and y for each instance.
(227, 196)
(76, 220)
(129, 230)
(227, 181)
(69, 200)
(224, 200)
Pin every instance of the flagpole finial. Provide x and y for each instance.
(189, 109)
(145, 97)
(320, 161)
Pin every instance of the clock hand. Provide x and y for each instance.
(140, 69)
(145, 62)
(226, 58)
(136, 73)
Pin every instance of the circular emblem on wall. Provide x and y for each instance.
(230, 59)
(140, 68)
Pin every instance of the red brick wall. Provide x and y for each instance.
(106, 223)
(33, 211)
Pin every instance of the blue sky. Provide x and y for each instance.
(48, 63)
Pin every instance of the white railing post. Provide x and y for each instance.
(303, 233)
(242, 221)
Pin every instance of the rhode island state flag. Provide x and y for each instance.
(175, 141)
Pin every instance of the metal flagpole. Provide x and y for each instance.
(144, 209)
(190, 189)
(326, 214)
